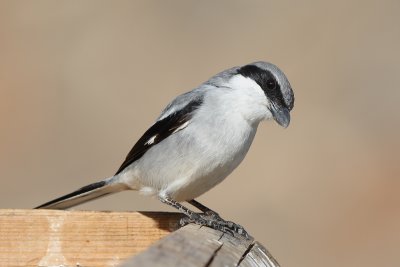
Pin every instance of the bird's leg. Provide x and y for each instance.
(215, 216)
(193, 217)
(189, 213)
(205, 209)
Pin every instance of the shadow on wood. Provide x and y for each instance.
(93, 238)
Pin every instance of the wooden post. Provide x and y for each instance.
(196, 246)
(91, 238)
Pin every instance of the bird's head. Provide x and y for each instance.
(267, 90)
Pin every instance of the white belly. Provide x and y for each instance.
(197, 160)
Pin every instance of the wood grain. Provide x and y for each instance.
(78, 238)
(195, 246)
(93, 238)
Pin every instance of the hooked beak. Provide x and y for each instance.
(281, 115)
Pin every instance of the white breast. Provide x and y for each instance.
(192, 161)
(215, 154)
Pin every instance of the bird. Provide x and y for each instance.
(197, 141)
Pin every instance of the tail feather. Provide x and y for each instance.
(85, 194)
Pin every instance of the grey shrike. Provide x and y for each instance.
(197, 141)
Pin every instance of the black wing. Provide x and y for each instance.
(159, 131)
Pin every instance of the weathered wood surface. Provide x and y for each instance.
(78, 238)
(93, 238)
(195, 246)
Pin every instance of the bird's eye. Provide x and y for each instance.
(271, 84)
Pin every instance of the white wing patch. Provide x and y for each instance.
(151, 140)
(181, 127)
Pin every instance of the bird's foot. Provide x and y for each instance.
(213, 220)
(237, 228)
(213, 215)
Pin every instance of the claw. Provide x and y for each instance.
(185, 221)
(213, 220)
(213, 215)
(228, 231)
(236, 228)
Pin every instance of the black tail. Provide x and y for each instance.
(85, 194)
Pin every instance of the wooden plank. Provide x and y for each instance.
(89, 238)
(194, 246)
(78, 238)
(232, 250)
(258, 255)
(181, 248)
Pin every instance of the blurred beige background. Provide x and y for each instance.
(80, 81)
